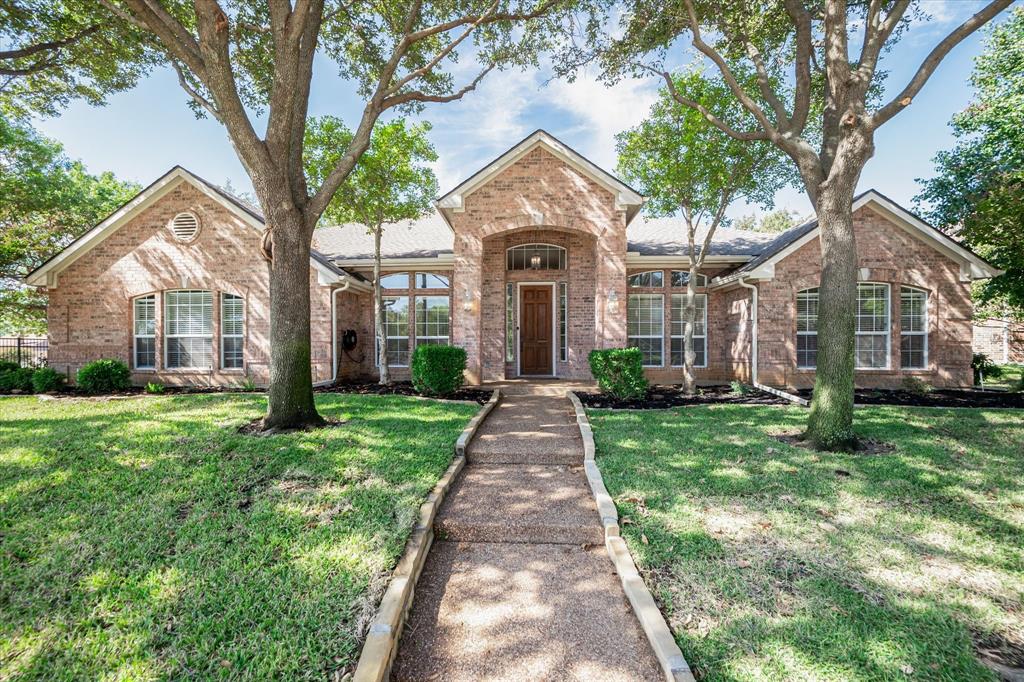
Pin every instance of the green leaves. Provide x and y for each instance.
(978, 193)
(46, 201)
(682, 162)
(391, 182)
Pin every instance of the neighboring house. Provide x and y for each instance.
(529, 264)
(1001, 340)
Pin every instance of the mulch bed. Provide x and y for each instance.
(403, 388)
(940, 397)
(74, 392)
(661, 397)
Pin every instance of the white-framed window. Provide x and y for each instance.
(535, 257)
(807, 328)
(432, 320)
(232, 331)
(396, 330)
(645, 327)
(563, 322)
(700, 330)
(510, 322)
(872, 350)
(429, 280)
(913, 328)
(679, 278)
(651, 278)
(144, 331)
(395, 280)
(188, 329)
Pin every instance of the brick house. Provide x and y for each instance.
(528, 264)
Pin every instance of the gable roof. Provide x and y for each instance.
(46, 273)
(972, 266)
(625, 196)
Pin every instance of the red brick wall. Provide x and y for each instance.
(892, 256)
(90, 309)
(538, 198)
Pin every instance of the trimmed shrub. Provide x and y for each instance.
(8, 366)
(917, 386)
(740, 388)
(104, 376)
(17, 379)
(619, 372)
(438, 370)
(47, 379)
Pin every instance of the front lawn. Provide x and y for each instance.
(1010, 377)
(775, 562)
(144, 538)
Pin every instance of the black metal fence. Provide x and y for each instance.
(27, 351)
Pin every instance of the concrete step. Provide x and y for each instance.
(516, 612)
(537, 504)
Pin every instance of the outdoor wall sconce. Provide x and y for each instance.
(613, 302)
(467, 300)
(535, 261)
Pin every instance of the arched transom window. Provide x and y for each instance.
(535, 257)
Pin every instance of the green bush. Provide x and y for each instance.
(984, 368)
(8, 366)
(46, 380)
(154, 388)
(438, 370)
(740, 388)
(16, 379)
(917, 386)
(619, 372)
(104, 376)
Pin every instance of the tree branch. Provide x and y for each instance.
(48, 46)
(704, 111)
(193, 93)
(745, 99)
(934, 58)
(418, 96)
(801, 19)
(875, 36)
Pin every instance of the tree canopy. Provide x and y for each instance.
(978, 192)
(53, 51)
(46, 201)
(393, 180)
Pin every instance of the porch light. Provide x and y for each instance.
(535, 261)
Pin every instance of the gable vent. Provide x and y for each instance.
(185, 227)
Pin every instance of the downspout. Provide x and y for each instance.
(753, 350)
(753, 324)
(334, 327)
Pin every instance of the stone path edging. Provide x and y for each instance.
(386, 627)
(666, 650)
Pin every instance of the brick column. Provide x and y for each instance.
(466, 287)
(610, 278)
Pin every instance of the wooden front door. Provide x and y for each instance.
(535, 343)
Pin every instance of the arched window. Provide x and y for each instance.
(188, 329)
(913, 328)
(651, 279)
(535, 257)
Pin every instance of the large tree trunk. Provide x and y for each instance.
(690, 315)
(290, 398)
(830, 425)
(378, 311)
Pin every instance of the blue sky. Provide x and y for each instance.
(140, 134)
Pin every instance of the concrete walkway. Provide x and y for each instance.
(517, 585)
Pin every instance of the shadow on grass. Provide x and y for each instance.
(775, 562)
(145, 538)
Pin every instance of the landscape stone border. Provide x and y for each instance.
(673, 664)
(381, 643)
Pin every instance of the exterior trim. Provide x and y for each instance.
(47, 274)
(626, 197)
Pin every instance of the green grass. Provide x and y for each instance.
(146, 539)
(774, 562)
(1012, 374)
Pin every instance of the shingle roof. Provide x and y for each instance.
(427, 237)
(667, 237)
